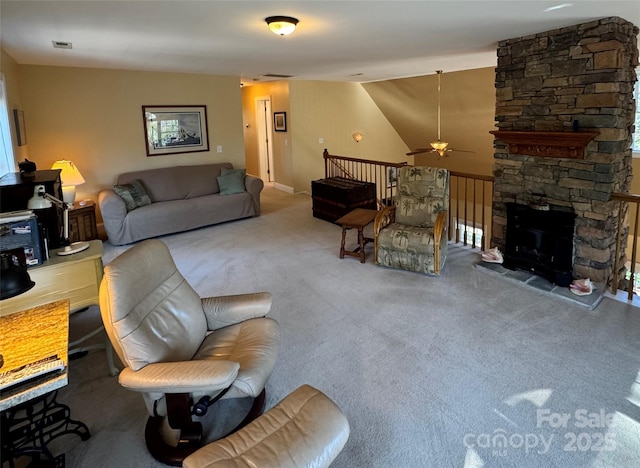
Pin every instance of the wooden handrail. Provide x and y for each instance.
(326, 156)
(487, 178)
(628, 197)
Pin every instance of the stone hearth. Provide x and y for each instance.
(578, 78)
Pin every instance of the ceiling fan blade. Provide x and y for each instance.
(460, 151)
(419, 151)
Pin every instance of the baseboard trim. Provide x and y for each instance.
(283, 188)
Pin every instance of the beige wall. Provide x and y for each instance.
(467, 116)
(14, 101)
(333, 111)
(94, 118)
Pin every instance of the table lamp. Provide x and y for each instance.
(70, 177)
(42, 200)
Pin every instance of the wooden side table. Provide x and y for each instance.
(82, 222)
(359, 219)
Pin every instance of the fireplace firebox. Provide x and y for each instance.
(539, 238)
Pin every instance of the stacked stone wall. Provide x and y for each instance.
(578, 78)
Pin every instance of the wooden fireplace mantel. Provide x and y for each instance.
(546, 144)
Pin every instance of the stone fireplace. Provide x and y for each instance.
(565, 115)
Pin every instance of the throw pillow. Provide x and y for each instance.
(133, 194)
(225, 171)
(232, 182)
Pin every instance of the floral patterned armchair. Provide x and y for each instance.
(412, 235)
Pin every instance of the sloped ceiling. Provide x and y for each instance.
(467, 113)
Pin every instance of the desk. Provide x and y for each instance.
(74, 277)
(359, 219)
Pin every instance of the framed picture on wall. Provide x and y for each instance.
(280, 121)
(21, 134)
(175, 129)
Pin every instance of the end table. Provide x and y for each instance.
(359, 219)
(82, 222)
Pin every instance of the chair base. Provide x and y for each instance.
(190, 431)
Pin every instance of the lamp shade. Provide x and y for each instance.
(70, 174)
(70, 177)
(14, 279)
(281, 25)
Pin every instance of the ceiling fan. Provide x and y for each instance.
(438, 146)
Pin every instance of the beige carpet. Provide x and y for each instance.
(465, 370)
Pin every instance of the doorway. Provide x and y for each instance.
(264, 128)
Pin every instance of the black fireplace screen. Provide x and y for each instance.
(541, 241)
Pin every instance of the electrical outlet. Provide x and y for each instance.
(219, 148)
(320, 140)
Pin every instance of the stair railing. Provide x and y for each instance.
(470, 213)
(625, 200)
(383, 174)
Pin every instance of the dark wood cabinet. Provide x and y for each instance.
(82, 222)
(15, 191)
(336, 196)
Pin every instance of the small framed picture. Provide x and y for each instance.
(175, 129)
(280, 121)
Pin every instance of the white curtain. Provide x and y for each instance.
(7, 159)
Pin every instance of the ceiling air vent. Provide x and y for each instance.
(62, 45)
(275, 75)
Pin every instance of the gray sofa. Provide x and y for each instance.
(182, 198)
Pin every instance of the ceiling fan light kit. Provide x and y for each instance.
(439, 146)
(281, 25)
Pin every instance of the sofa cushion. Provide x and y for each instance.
(179, 182)
(133, 194)
(232, 181)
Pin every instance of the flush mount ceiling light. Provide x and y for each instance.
(282, 25)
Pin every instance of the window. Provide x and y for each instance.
(169, 131)
(7, 159)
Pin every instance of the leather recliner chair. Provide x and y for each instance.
(181, 351)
